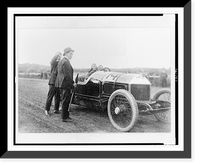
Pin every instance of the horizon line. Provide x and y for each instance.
(109, 67)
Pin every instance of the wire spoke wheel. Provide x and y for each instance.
(163, 95)
(122, 110)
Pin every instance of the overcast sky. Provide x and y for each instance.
(115, 43)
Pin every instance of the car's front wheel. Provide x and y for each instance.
(122, 110)
(163, 95)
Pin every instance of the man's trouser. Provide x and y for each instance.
(66, 95)
(53, 92)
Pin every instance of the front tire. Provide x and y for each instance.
(164, 95)
(122, 110)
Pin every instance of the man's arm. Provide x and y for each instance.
(68, 73)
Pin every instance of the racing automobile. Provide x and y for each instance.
(125, 96)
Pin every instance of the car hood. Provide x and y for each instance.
(120, 78)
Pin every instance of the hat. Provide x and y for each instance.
(68, 50)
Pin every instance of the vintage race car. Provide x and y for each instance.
(124, 96)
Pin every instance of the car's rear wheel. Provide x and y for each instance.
(122, 110)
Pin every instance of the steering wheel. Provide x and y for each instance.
(105, 69)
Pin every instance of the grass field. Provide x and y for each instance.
(32, 95)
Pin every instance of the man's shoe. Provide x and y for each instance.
(68, 119)
(46, 113)
(56, 112)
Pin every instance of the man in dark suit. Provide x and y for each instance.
(53, 91)
(65, 81)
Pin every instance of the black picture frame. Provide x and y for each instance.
(186, 153)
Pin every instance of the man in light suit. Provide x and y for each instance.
(65, 81)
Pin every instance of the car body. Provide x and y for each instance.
(123, 95)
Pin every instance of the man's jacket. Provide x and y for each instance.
(64, 78)
(54, 72)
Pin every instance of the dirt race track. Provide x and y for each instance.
(32, 95)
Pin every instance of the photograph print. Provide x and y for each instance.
(96, 79)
